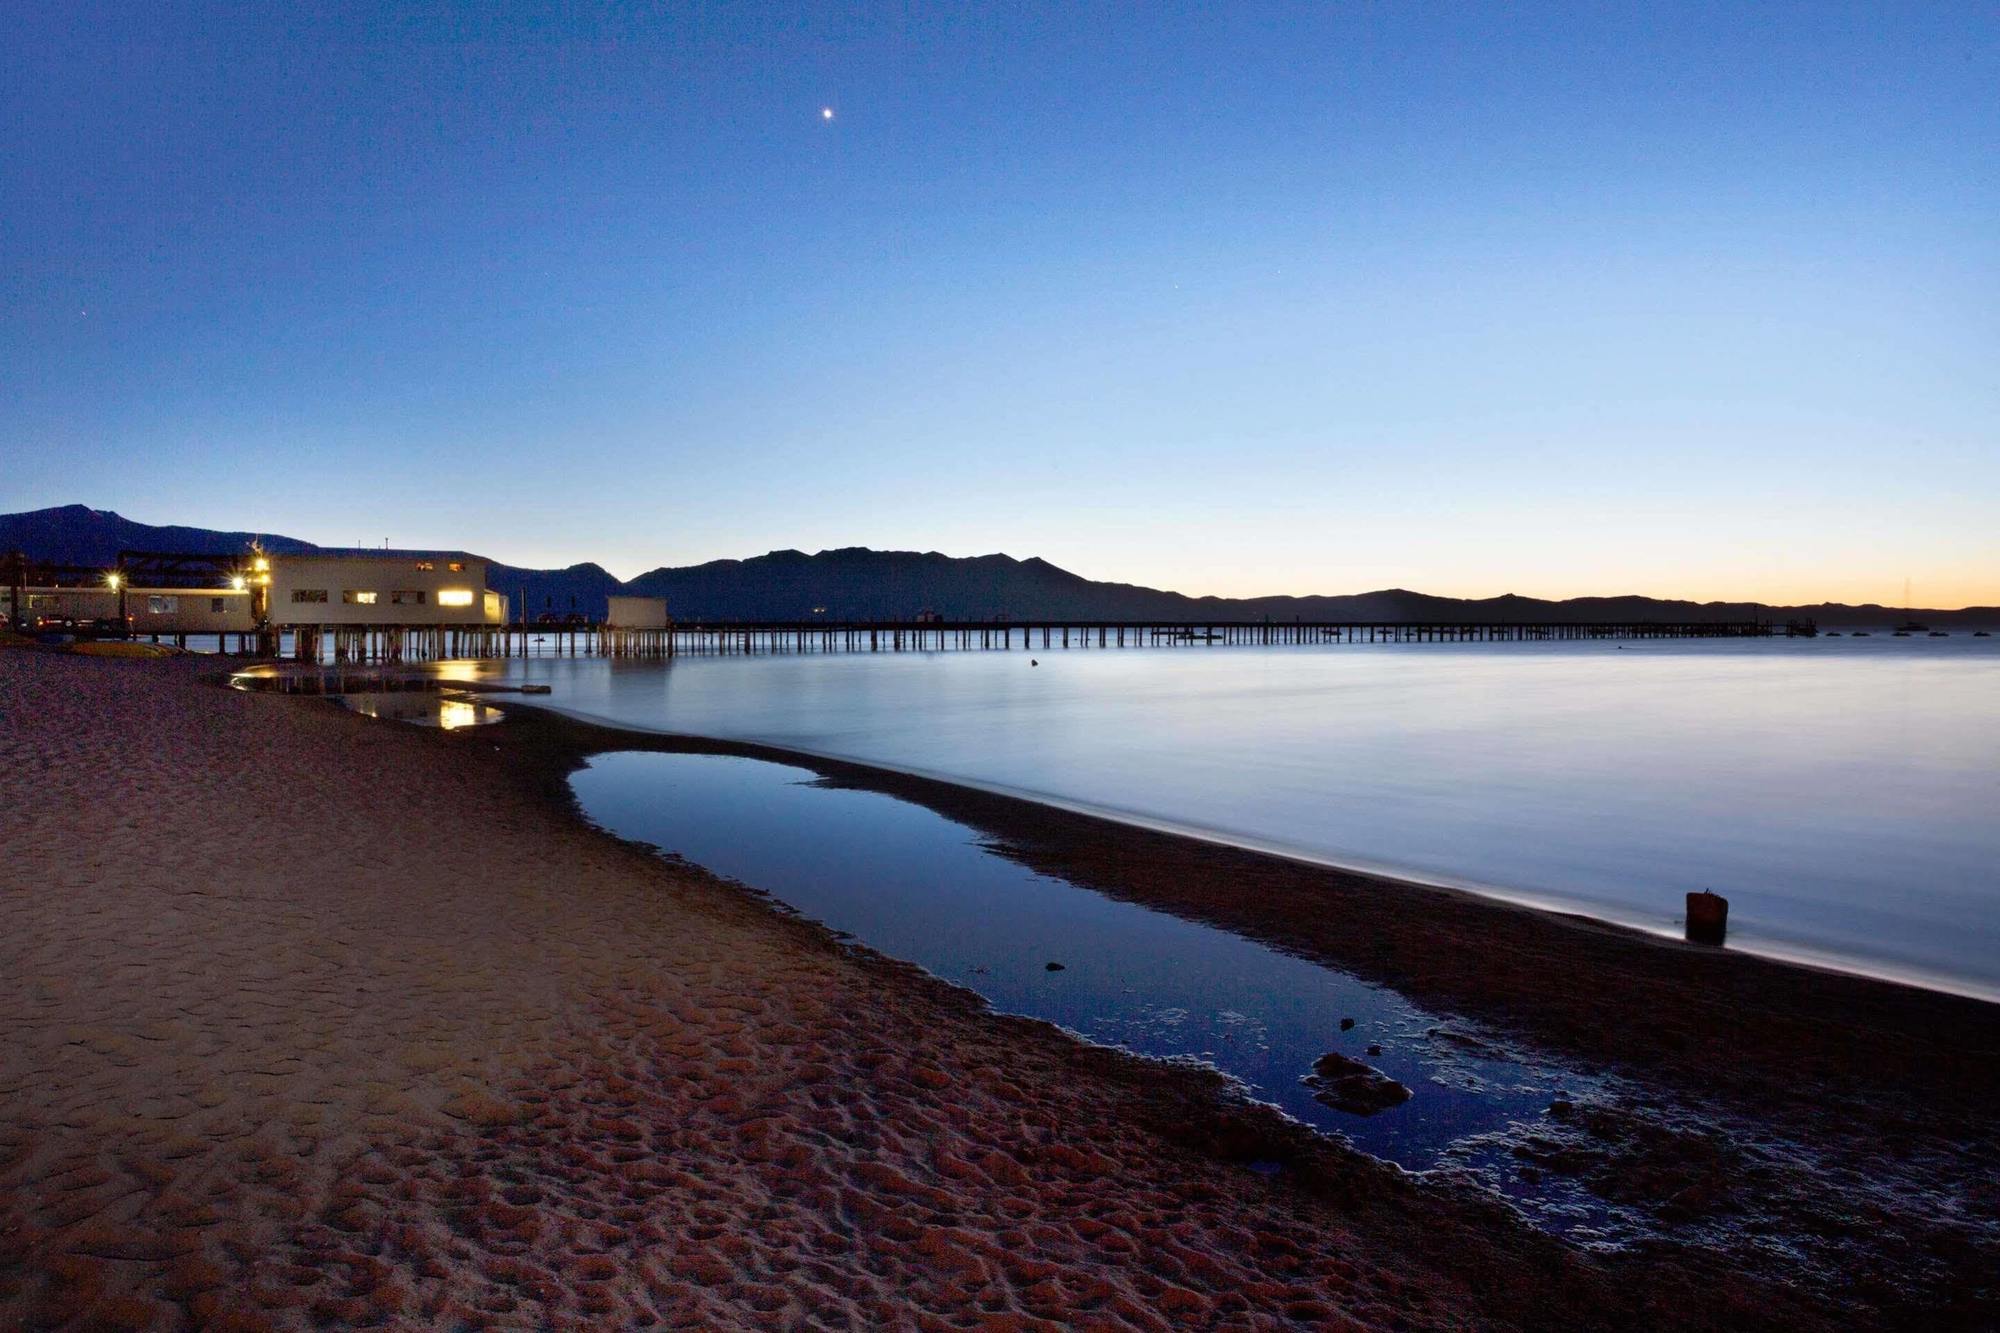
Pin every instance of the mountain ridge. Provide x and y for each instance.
(860, 583)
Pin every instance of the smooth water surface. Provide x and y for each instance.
(917, 886)
(1843, 793)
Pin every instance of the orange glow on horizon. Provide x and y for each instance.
(1929, 595)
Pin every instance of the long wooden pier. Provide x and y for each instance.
(947, 636)
(430, 643)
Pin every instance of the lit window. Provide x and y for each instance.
(426, 566)
(454, 597)
(407, 597)
(309, 594)
(456, 566)
(358, 596)
(162, 606)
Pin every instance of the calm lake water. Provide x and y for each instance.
(1843, 793)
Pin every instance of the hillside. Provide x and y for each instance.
(78, 535)
(856, 583)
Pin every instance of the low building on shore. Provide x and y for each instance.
(142, 611)
(357, 603)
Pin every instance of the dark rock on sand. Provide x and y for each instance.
(1348, 1085)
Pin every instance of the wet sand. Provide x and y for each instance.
(314, 1020)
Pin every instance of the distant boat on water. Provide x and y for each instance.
(1909, 625)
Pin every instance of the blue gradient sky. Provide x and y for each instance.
(1686, 300)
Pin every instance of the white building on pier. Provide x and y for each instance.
(363, 588)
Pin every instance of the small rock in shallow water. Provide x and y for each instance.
(1348, 1085)
(1374, 1050)
(1346, 1025)
(1055, 967)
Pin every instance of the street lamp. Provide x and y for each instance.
(116, 582)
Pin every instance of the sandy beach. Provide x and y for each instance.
(313, 1020)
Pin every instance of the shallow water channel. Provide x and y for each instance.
(914, 885)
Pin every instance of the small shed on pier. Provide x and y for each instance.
(637, 613)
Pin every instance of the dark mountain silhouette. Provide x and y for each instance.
(78, 535)
(856, 583)
(581, 589)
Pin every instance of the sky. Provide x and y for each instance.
(1685, 300)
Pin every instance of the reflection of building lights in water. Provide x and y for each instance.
(424, 709)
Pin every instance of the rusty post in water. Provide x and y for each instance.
(1707, 917)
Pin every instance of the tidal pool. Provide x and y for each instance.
(912, 884)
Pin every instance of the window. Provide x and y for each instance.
(407, 597)
(309, 594)
(42, 601)
(456, 566)
(215, 605)
(358, 596)
(426, 566)
(162, 606)
(454, 597)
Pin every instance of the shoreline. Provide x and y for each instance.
(1035, 828)
(1741, 1114)
(415, 1041)
(1768, 949)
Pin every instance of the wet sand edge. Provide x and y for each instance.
(1766, 1035)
